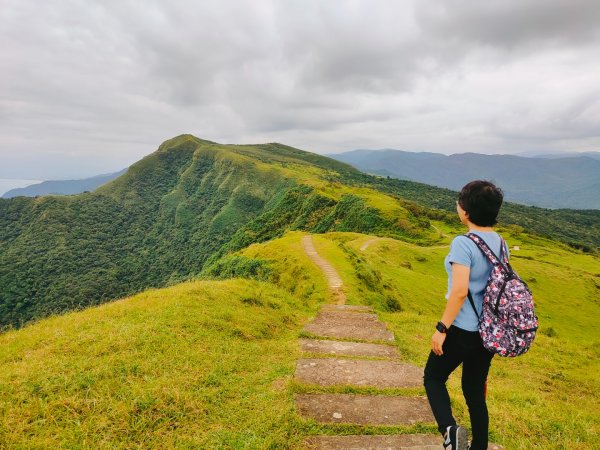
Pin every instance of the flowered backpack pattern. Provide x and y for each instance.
(508, 323)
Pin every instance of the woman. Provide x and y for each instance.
(456, 339)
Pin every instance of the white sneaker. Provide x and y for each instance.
(455, 438)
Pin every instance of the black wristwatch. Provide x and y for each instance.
(441, 327)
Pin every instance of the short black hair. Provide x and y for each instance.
(482, 200)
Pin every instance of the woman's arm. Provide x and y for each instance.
(460, 288)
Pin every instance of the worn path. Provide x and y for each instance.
(333, 279)
(367, 243)
(351, 347)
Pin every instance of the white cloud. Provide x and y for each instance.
(89, 87)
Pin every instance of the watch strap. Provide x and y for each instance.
(441, 327)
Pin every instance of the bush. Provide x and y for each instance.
(237, 266)
(392, 304)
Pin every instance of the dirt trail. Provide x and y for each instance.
(333, 279)
(367, 243)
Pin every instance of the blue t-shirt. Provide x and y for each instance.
(465, 252)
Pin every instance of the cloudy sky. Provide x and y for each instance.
(88, 87)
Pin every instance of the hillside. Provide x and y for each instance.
(192, 201)
(209, 363)
(561, 182)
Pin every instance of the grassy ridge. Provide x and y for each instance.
(531, 397)
(187, 367)
(545, 399)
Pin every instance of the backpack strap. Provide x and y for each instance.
(473, 304)
(504, 255)
(490, 255)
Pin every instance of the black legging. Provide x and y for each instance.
(464, 347)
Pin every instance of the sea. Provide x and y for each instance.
(6, 184)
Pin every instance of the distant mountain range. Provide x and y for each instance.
(595, 155)
(550, 181)
(63, 187)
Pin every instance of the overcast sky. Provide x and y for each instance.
(88, 87)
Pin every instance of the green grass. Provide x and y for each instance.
(290, 267)
(199, 365)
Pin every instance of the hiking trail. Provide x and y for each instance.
(333, 279)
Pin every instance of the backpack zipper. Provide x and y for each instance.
(499, 296)
(527, 331)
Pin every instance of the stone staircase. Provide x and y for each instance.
(359, 354)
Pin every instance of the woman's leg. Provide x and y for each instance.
(476, 366)
(437, 371)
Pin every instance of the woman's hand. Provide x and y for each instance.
(437, 341)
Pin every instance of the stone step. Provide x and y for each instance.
(364, 409)
(379, 442)
(358, 372)
(375, 442)
(350, 331)
(358, 308)
(340, 316)
(344, 348)
(344, 327)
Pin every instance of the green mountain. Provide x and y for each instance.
(560, 182)
(192, 201)
(162, 220)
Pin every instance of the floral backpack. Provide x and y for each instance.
(508, 323)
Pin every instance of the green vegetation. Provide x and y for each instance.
(204, 364)
(577, 228)
(198, 365)
(208, 362)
